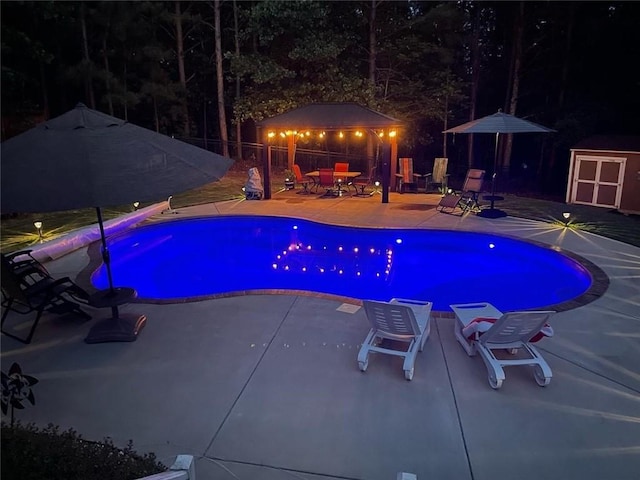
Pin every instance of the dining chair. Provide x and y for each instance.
(326, 181)
(360, 183)
(342, 167)
(302, 180)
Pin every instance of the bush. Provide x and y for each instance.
(28, 452)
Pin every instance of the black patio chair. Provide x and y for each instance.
(27, 289)
(467, 199)
(23, 260)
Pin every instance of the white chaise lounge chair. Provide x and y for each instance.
(480, 327)
(399, 320)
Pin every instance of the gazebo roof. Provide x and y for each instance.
(330, 116)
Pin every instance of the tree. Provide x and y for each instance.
(222, 116)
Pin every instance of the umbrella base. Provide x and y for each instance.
(124, 328)
(492, 213)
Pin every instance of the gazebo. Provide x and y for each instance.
(332, 117)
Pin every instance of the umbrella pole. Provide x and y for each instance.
(495, 167)
(493, 212)
(118, 328)
(105, 250)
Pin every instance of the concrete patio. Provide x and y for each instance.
(268, 387)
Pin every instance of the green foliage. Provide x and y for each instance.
(31, 453)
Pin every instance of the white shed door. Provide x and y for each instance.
(598, 181)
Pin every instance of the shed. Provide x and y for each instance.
(604, 171)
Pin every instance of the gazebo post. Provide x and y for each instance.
(386, 171)
(266, 163)
(291, 151)
(393, 164)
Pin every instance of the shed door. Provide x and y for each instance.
(598, 181)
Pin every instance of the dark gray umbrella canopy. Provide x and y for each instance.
(499, 123)
(85, 158)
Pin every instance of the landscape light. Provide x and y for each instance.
(566, 216)
(38, 226)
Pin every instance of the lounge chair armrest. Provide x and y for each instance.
(419, 307)
(12, 255)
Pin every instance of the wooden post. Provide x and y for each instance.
(393, 160)
(266, 164)
(291, 150)
(386, 170)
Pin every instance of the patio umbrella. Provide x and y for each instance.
(498, 123)
(85, 158)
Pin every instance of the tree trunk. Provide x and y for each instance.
(372, 75)
(105, 58)
(222, 118)
(446, 122)
(186, 130)
(236, 32)
(88, 85)
(475, 76)
(567, 52)
(516, 63)
(564, 76)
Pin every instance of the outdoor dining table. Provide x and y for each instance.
(339, 177)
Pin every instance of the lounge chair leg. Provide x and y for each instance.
(542, 375)
(28, 338)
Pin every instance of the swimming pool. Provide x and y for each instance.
(204, 257)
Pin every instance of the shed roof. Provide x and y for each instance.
(612, 143)
(330, 116)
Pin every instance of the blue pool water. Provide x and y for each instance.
(201, 257)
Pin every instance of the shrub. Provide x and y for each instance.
(28, 452)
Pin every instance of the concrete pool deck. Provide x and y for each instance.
(268, 386)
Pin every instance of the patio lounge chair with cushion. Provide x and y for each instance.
(467, 199)
(480, 327)
(399, 321)
(29, 290)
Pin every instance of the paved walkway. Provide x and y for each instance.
(268, 387)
